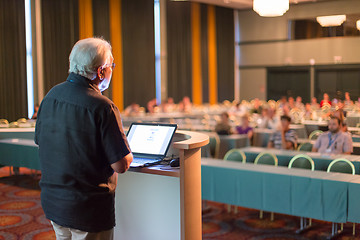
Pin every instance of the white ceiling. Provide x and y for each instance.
(246, 4)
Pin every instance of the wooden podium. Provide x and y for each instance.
(161, 202)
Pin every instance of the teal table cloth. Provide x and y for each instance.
(354, 200)
(19, 153)
(298, 192)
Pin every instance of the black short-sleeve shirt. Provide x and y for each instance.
(80, 134)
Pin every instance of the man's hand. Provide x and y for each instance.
(123, 164)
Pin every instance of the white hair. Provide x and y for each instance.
(88, 55)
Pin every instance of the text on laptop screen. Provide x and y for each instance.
(149, 139)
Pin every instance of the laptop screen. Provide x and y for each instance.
(148, 138)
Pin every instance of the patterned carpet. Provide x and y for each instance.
(21, 217)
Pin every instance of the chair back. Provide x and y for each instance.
(307, 147)
(315, 134)
(266, 158)
(341, 165)
(21, 120)
(302, 161)
(13, 125)
(4, 123)
(235, 155)
(214, 142)
(326, 108)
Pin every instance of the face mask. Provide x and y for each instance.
(104, 84)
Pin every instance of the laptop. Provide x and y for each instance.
(149, 142)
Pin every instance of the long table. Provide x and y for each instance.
(319, 195)
(19, 153)
(284, 156)
(25, 133)
(227, 142)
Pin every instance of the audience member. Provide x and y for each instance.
(308, 115)
(170, 105)
(283, 102)
(238, 109)
(285, 138)
(150, 106)
(185, 105)
(299, 104)
(325, 101)
(291, 103)
(245, 127)
(269, 120)
(132, 110)
(223, 127)
(334, 141)
(314, 104)
(256, 106)
(348, 101)
(36, 109)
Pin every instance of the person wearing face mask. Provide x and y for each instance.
(334, 141)
(82, 146)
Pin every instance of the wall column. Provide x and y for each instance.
(116, 42)
(212, 53)
(85, 19)
(196, 53)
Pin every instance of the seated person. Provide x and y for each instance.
(269, 120)
(298, 103)
(314, 104)
(334, 141)
(326, 100)
(36, 109)
(348, 101)
(308, 114)
(285, 138)
(132, 110)
(256, 106)
(223, 127)
(245, 128)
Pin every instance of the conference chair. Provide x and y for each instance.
(215, 145)
(341, 165)
(13, 125)
(326, 108)
(235, 155)
(21, 120)
(296, 115)
(307, 147)
(315, 134)
(266, 158)
(304, 162)
(4, 123)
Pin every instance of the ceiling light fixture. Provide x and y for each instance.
(331, 21)
(271, 8)
(358, 24)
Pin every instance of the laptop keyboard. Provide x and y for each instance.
(141, 161)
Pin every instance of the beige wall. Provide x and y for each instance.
(256, 52)
(253, 83)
